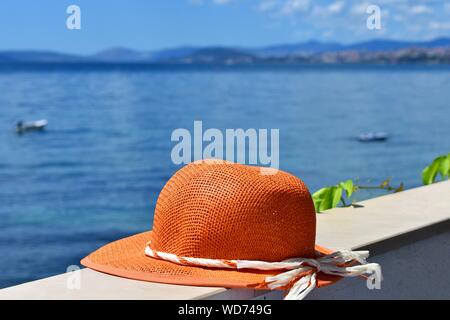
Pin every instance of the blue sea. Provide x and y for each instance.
(94, 175)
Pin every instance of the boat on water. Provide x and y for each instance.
(373, 137)
(22, 126)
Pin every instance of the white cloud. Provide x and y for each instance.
(399, 18)
(360, 8)
(439, 25)
(294, 6)
(333, 8)
(420, 9)
(267, 5)
(336, 7)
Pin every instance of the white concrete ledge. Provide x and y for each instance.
(384, 217)
(383, 224)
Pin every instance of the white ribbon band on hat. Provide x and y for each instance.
(332, 264)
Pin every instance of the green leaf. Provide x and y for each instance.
(337, 195)
(317, 203)
(430, 172)
(327, 200)
(348, 186)
(444, 167)
(323, 199)
(319, 193)
(428, 175)
(318, 197)
(400, 188)
(385, 183)
(448, 171)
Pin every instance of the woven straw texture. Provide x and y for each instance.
(218, 210)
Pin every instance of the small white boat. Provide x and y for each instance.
(373, 137)
(22, 127)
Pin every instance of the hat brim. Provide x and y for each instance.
(126, 258)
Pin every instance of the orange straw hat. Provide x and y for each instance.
(218, 223)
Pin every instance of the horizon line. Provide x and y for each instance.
(226, 46)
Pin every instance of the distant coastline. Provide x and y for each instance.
(386, 52)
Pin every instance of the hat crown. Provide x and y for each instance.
(223, 210)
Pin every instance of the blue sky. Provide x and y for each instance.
(154, 24)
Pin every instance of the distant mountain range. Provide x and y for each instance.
(374, 51)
